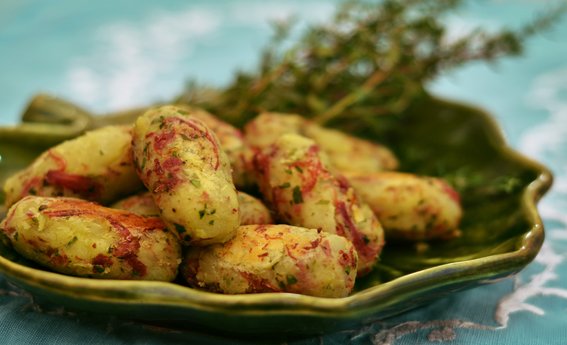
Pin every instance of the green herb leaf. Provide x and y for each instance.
(373, 59)
(291, 279)
(297, 195)
(98, 268)
(180, 228)
(73, 240)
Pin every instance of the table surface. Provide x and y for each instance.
(112, 55)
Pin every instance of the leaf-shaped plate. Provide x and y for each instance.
(502, 232)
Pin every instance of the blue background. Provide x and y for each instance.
(109, 55)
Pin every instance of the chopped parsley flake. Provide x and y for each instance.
(204, 212)
(297, 196)
(158, 120)
(98, 269)
(180, 228)
(73, 240)
(291, 280)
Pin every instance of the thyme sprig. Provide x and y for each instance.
(373, 59)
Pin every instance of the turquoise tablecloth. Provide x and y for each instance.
(108, 55)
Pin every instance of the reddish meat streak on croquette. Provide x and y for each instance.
(173, 166)
(364, 249)
(257, 284)
(451, 192)
(201, 133)
(81, 185)
(121, 221)
(102, 261)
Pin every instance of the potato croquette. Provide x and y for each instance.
(302, 191)
(274, 258)
(410, 207)
(81, 238)
(181, 163)
(346, 153)
(96, 166)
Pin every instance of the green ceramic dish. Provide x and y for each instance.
(502, 232)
